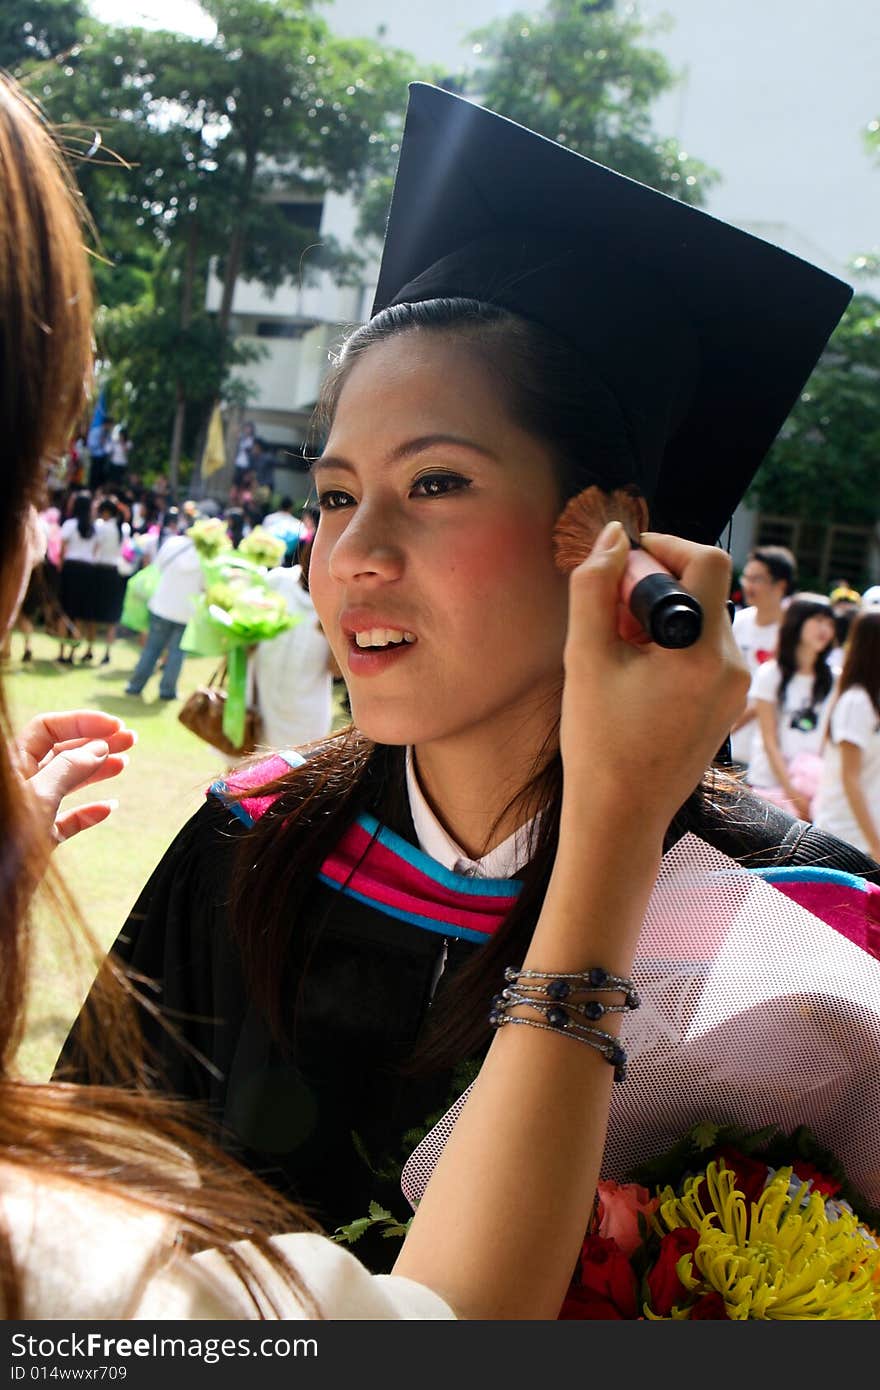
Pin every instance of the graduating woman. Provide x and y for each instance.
(110, 1206)
(328, 931)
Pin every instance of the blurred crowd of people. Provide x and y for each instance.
(96, 539)
(809, 738)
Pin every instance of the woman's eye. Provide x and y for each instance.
(438, 484)
(331, 500)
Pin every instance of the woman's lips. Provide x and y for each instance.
(372, 661)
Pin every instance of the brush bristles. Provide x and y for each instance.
(585, 516)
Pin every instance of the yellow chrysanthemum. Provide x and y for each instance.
(781, 1257)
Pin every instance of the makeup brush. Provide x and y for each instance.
(663, 611)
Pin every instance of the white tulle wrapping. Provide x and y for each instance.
(753, 1011)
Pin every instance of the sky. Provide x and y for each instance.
(182, 15)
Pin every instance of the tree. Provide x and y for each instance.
(37, 30)
(825, 465)
(581, 74)
(206, 135)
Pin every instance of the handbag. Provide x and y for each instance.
(202, 714)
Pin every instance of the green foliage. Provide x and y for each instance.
(379, 1219)
(207, 148)
(583, 75)
(148, 356)
(34, 30)
(824, 465)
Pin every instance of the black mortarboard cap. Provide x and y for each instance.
(701, 334)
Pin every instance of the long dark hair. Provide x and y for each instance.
(800, 609)
(543, 385)
(109, 1142)
(861, 665)
(81, 512)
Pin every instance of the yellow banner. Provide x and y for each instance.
(214, 457)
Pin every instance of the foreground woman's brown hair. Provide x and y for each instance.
(107, 1141)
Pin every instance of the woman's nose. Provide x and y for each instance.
(368, 547)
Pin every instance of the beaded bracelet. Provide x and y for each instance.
(556, 995)
(563, 984)
(601, 1042)
(592, 1009)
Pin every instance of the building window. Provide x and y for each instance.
(303, 214)
(283, 328)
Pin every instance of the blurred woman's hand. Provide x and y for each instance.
(61, 752)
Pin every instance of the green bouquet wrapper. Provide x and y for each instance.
(237, 610)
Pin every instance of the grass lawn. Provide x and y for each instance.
(107, 866)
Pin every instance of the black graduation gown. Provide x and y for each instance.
(331, 1124)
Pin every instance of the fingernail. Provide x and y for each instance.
(609, 536)
(100, 748)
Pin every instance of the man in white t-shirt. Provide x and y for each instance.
(171, 608)
(768, 578)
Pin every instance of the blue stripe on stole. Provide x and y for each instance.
(807, 874)
(459, 883)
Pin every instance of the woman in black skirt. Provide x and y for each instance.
(111, 530)
(77, 574)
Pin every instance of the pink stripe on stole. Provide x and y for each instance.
(266, 770)
(850, 911)
(389, 879)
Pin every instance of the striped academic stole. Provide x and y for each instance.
(373, 865)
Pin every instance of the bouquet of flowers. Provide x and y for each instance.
(236, 610)
(262, 547)
(731, 1225)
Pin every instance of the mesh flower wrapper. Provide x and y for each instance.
(754, 1012)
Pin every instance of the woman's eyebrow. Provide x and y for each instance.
(407, 450)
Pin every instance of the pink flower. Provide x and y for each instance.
(620, 1205)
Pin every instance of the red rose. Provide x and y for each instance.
(711, 1305)
(604, 1286)
(808, 1172)
(664, 1285)
(751, 1173)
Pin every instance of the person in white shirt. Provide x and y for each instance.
(767, 579)
(289, 528)
(171, 608)
(791, 694)
(848, 801)
(111, 533)
(293, 672)
(77, 575)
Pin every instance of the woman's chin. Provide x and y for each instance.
(381, 723)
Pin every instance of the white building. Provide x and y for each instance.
(774, 94)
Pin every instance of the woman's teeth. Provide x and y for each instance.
(382, 637)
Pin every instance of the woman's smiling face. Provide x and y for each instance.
(437, 514)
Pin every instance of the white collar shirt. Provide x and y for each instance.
(504, 861)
